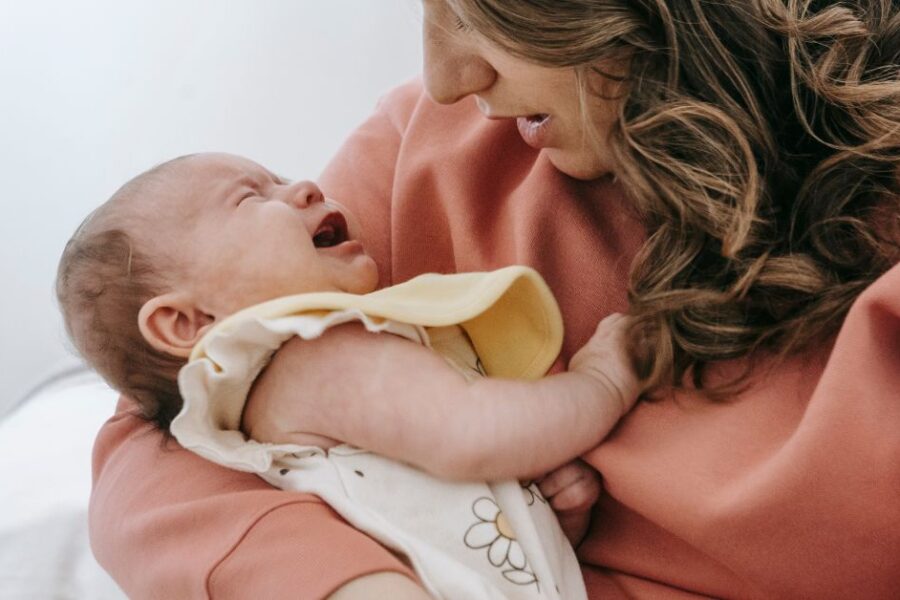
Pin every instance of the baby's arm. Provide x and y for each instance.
(400, 399)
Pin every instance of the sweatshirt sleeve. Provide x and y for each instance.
(167, 524)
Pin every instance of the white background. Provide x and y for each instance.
(94, 91)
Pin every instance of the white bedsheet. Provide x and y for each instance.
(45, 480)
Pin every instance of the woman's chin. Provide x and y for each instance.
(578, 165)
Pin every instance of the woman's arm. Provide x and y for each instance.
(400, 399)
(169, 524)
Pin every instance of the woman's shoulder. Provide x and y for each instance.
(400, 103)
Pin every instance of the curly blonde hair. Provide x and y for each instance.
(760, 142)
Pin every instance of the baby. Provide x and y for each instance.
(213, 258)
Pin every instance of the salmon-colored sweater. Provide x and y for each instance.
(790, 491)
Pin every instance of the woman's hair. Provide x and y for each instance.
(104, 278)
(760, 142)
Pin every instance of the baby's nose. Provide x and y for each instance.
(303, 194)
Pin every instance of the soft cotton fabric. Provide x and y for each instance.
(789, 491)
(466, 540)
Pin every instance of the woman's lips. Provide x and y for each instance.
(534, 129)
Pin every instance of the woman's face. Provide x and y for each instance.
(544, 101)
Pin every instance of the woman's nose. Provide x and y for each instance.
(452, 70)
(303, 193)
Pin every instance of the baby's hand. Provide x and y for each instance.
(572, 490)
(605, 358)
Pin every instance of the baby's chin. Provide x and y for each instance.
(365, 278)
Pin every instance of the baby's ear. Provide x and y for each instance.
(171, 323)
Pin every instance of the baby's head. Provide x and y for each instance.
(185, 244)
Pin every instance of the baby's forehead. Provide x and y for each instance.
(209, 179)
(188, 186)
(221, 165)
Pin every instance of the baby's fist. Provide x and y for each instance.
(572, 491)
(605, 358)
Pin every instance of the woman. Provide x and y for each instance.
(725, 171)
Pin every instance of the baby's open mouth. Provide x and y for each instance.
(332, 231)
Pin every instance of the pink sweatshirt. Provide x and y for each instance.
(791, 491)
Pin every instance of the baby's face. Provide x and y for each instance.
(245, 236)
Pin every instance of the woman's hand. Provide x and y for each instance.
(605, 358)
(572, 491)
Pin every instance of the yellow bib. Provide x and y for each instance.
(509, 314)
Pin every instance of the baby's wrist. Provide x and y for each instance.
(608, 389)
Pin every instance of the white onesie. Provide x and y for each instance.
(465, 540)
